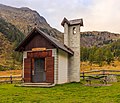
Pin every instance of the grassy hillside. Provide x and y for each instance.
(10, 31)
(10, 72)
(85, 66)
(6, 49)
(10, 37)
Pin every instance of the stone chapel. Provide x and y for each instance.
(46, 60)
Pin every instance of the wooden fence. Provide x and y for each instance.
(99, 72)
(84, 74)
(10, 79)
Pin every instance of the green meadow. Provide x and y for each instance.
(66, 93)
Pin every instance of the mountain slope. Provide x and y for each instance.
(16, 23)
(10, 37)
(96, 38)
(10, 31)
(6, 48)
(26, 19)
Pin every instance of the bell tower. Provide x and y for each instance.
(72, 40)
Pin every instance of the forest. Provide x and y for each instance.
(99, 55)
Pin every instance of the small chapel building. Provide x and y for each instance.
(46, 60)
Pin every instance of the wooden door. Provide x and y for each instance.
(27, 70)
(49, 68)
(39, 71)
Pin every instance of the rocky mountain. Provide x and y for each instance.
(16, 23)
(26, 19)
(96, 38)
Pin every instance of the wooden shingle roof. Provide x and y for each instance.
(52, 40)
(72, 22)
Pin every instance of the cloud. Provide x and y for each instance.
(16, 3)
(97, 14)
(104, 15)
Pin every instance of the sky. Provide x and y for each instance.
(97, 15)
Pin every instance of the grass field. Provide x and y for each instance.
(67, 93)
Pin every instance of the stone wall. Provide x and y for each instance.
(72, 40)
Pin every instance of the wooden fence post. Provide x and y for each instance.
(103, 72)
(83, 75)
(11, 79)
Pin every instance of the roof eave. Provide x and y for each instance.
(71, 53)
(65, 21)
(68, 22)
(21, 43)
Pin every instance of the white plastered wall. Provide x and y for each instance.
(62, 67)
(54, 54)
(24, 56)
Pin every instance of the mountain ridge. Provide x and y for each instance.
(26, 19)
(98, 38)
